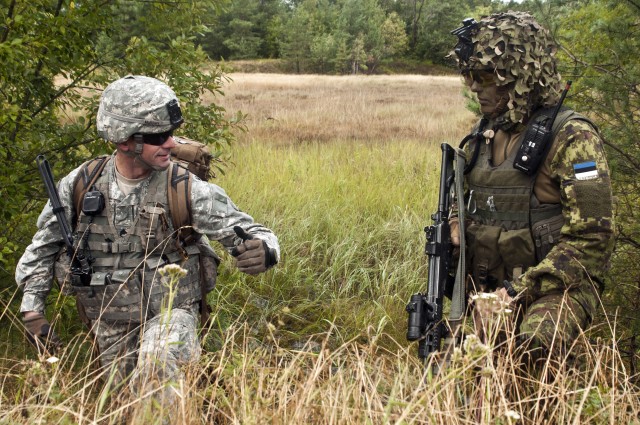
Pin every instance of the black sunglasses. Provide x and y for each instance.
(156, 139)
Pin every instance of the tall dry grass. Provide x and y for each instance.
(344, 169)
(317, 108)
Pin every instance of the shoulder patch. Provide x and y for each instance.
(585, 170)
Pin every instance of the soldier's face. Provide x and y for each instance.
(482, 83)
(158, 157)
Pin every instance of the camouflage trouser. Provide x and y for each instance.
(153, 352)
(552, 323)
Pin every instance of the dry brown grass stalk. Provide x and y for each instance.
(320, 108)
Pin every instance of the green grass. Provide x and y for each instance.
(321, 338)
(349, 217)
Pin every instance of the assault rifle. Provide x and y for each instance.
(425, 310)
(80, 267)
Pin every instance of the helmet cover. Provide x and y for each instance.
(137, 104)
(521, 55)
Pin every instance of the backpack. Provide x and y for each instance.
(189, 158)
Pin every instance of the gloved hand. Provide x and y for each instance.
(40, 334)
(253, 256)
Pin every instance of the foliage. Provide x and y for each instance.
(348, 36)
(57, 56)
(601, 40)
(245, 29)
(434, 29)
(339, 36)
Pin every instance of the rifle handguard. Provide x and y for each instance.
(511, 291)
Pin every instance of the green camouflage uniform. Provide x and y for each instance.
(563, 287)
(559, 289)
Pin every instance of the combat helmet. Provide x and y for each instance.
(521, 55)
(137, 104)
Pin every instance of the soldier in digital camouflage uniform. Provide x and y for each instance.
(133, 237)
(550, 234)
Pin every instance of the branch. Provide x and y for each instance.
(27, 97)
(74, 83)
(581, 62)
(5, 34)
(626, 156)
(628, 240)
(634, 4)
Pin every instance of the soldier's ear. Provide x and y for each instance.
(128, 146)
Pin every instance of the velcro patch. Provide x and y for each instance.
(585, 170)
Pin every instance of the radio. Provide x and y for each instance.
(537, 141)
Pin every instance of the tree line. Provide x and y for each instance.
(337, 36)
(57, 54)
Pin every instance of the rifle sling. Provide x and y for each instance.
(458, 305)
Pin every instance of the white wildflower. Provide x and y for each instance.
(512, 414)
(173, 270)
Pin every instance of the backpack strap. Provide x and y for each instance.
(86, 178)
(179, 198)
(563, 117)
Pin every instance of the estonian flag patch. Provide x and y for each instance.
(585, 170)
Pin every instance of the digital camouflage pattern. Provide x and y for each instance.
(587, 241)
(564, 287)
(213, 215)
(134, 104)
(560, 294)
(522, 56)
(158, 349)
(552, 324)
(130, 239)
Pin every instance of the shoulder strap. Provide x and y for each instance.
(562, 118)
(179, 198)
(86, 178)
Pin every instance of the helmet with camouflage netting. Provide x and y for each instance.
(137, 104)
(521, 55)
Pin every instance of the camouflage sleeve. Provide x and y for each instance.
(214, 214)
(579, 167)
(34, 272)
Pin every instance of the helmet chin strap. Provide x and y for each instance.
(137, 154)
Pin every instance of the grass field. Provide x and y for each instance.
(344, 170)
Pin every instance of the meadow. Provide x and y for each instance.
(345, 171)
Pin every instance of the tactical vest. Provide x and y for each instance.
(510, 230)
(126, 285)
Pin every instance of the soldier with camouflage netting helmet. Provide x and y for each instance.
(539, 233)
(142, 329)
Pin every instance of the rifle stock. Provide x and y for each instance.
(425, 309)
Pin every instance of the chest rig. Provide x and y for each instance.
(127, 242)
(510, 229)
